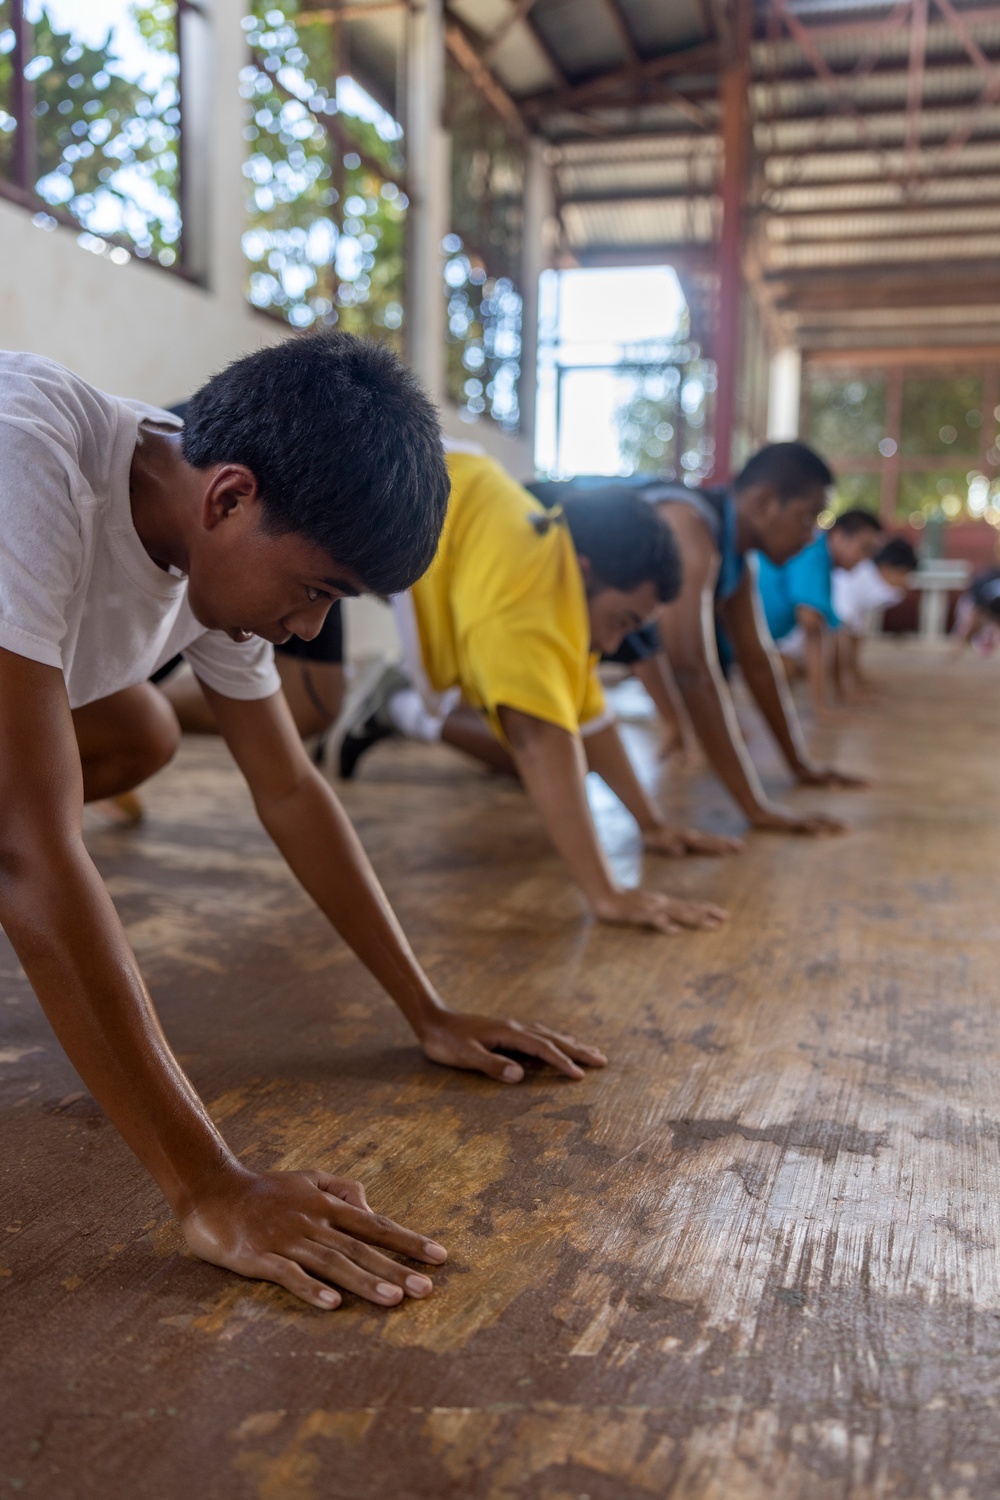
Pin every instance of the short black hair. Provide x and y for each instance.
(985, 591)
(789, 468)
(897, 553)
(626, 540)
(851, 522)
(344, 445)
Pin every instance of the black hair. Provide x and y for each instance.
(896, 553)
(789, 468)
(626, 540)
(344, 445)
(985, 591)
(851, 522)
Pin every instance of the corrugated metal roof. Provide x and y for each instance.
(847, 176)
(638, 223)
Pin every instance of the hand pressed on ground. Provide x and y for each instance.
(458, 1039)
(309, 1232)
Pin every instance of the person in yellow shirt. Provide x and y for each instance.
(501, 638)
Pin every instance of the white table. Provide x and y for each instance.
(934, 580)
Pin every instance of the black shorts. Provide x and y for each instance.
(638, 645)
(327, 647)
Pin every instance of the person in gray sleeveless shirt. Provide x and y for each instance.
(771, 508)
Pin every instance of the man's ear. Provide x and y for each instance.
(230, 491)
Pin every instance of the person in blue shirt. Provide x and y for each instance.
(797, 596)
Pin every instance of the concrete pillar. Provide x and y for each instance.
(536, 257)
(427, 155)
(734, 86)
(214, 116)
(784, 393)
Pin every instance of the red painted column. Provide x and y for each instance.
(733, 97)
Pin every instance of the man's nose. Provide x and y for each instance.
(307, 623)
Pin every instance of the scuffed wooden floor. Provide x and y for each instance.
(757, 1257)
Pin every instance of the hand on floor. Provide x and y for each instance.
(813, 775)
(780, 820)
(639, 908)
(679, 841)
(459, 1040)
(305, 1230)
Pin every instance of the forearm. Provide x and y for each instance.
(70, 942)
(325, 854)
(766, 681)
(655, 676)
(815, 651)
(607, 756)
(552, 767)
(711, 709)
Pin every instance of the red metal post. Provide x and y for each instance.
(734, 100)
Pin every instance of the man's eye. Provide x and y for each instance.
(313, 595)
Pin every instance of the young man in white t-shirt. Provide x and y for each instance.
(860, 593)
(304, 473)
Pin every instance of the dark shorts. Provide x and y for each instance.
(327, 647)
(640, 645)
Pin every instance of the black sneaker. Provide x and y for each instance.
(358, 742)
(369, 722)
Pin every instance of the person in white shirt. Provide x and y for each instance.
(859, 593)
(305, 472)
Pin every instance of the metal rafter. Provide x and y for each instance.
(481, 78)
(614, 14)
(703, 56)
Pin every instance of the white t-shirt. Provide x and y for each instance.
(77, 588)
(858, 592)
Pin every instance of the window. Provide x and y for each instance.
(90, 119)
(915, 445)
(326, 206)
(622, 387)
(483, 259)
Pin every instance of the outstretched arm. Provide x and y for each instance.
(551, 764)
(608, 757)
(818, 652)
(757, 657)
(687, 635)
(302, 1230)
(304, 817)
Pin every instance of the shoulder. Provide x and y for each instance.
(41, 398)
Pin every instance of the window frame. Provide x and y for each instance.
(891, 467)
(17, 189)
(341, 141)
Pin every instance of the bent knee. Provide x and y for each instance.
(156, 734)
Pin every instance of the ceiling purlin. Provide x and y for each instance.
(703, 56)
(801, 34)
(991, 73)
(517, 14)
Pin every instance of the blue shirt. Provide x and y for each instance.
(805, 579)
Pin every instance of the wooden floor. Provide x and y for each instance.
(757, 1257)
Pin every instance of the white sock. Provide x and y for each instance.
(411, 717)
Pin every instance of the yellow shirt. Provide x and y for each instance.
(502, 611)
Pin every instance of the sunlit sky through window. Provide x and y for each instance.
(590, 321)
(90, 25)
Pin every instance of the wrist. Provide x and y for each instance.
(212, 1179)
(423, 1010)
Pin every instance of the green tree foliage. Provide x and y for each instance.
(662, 424)
(326, 217)
(103, 142)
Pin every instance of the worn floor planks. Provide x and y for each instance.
(758, 1257)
